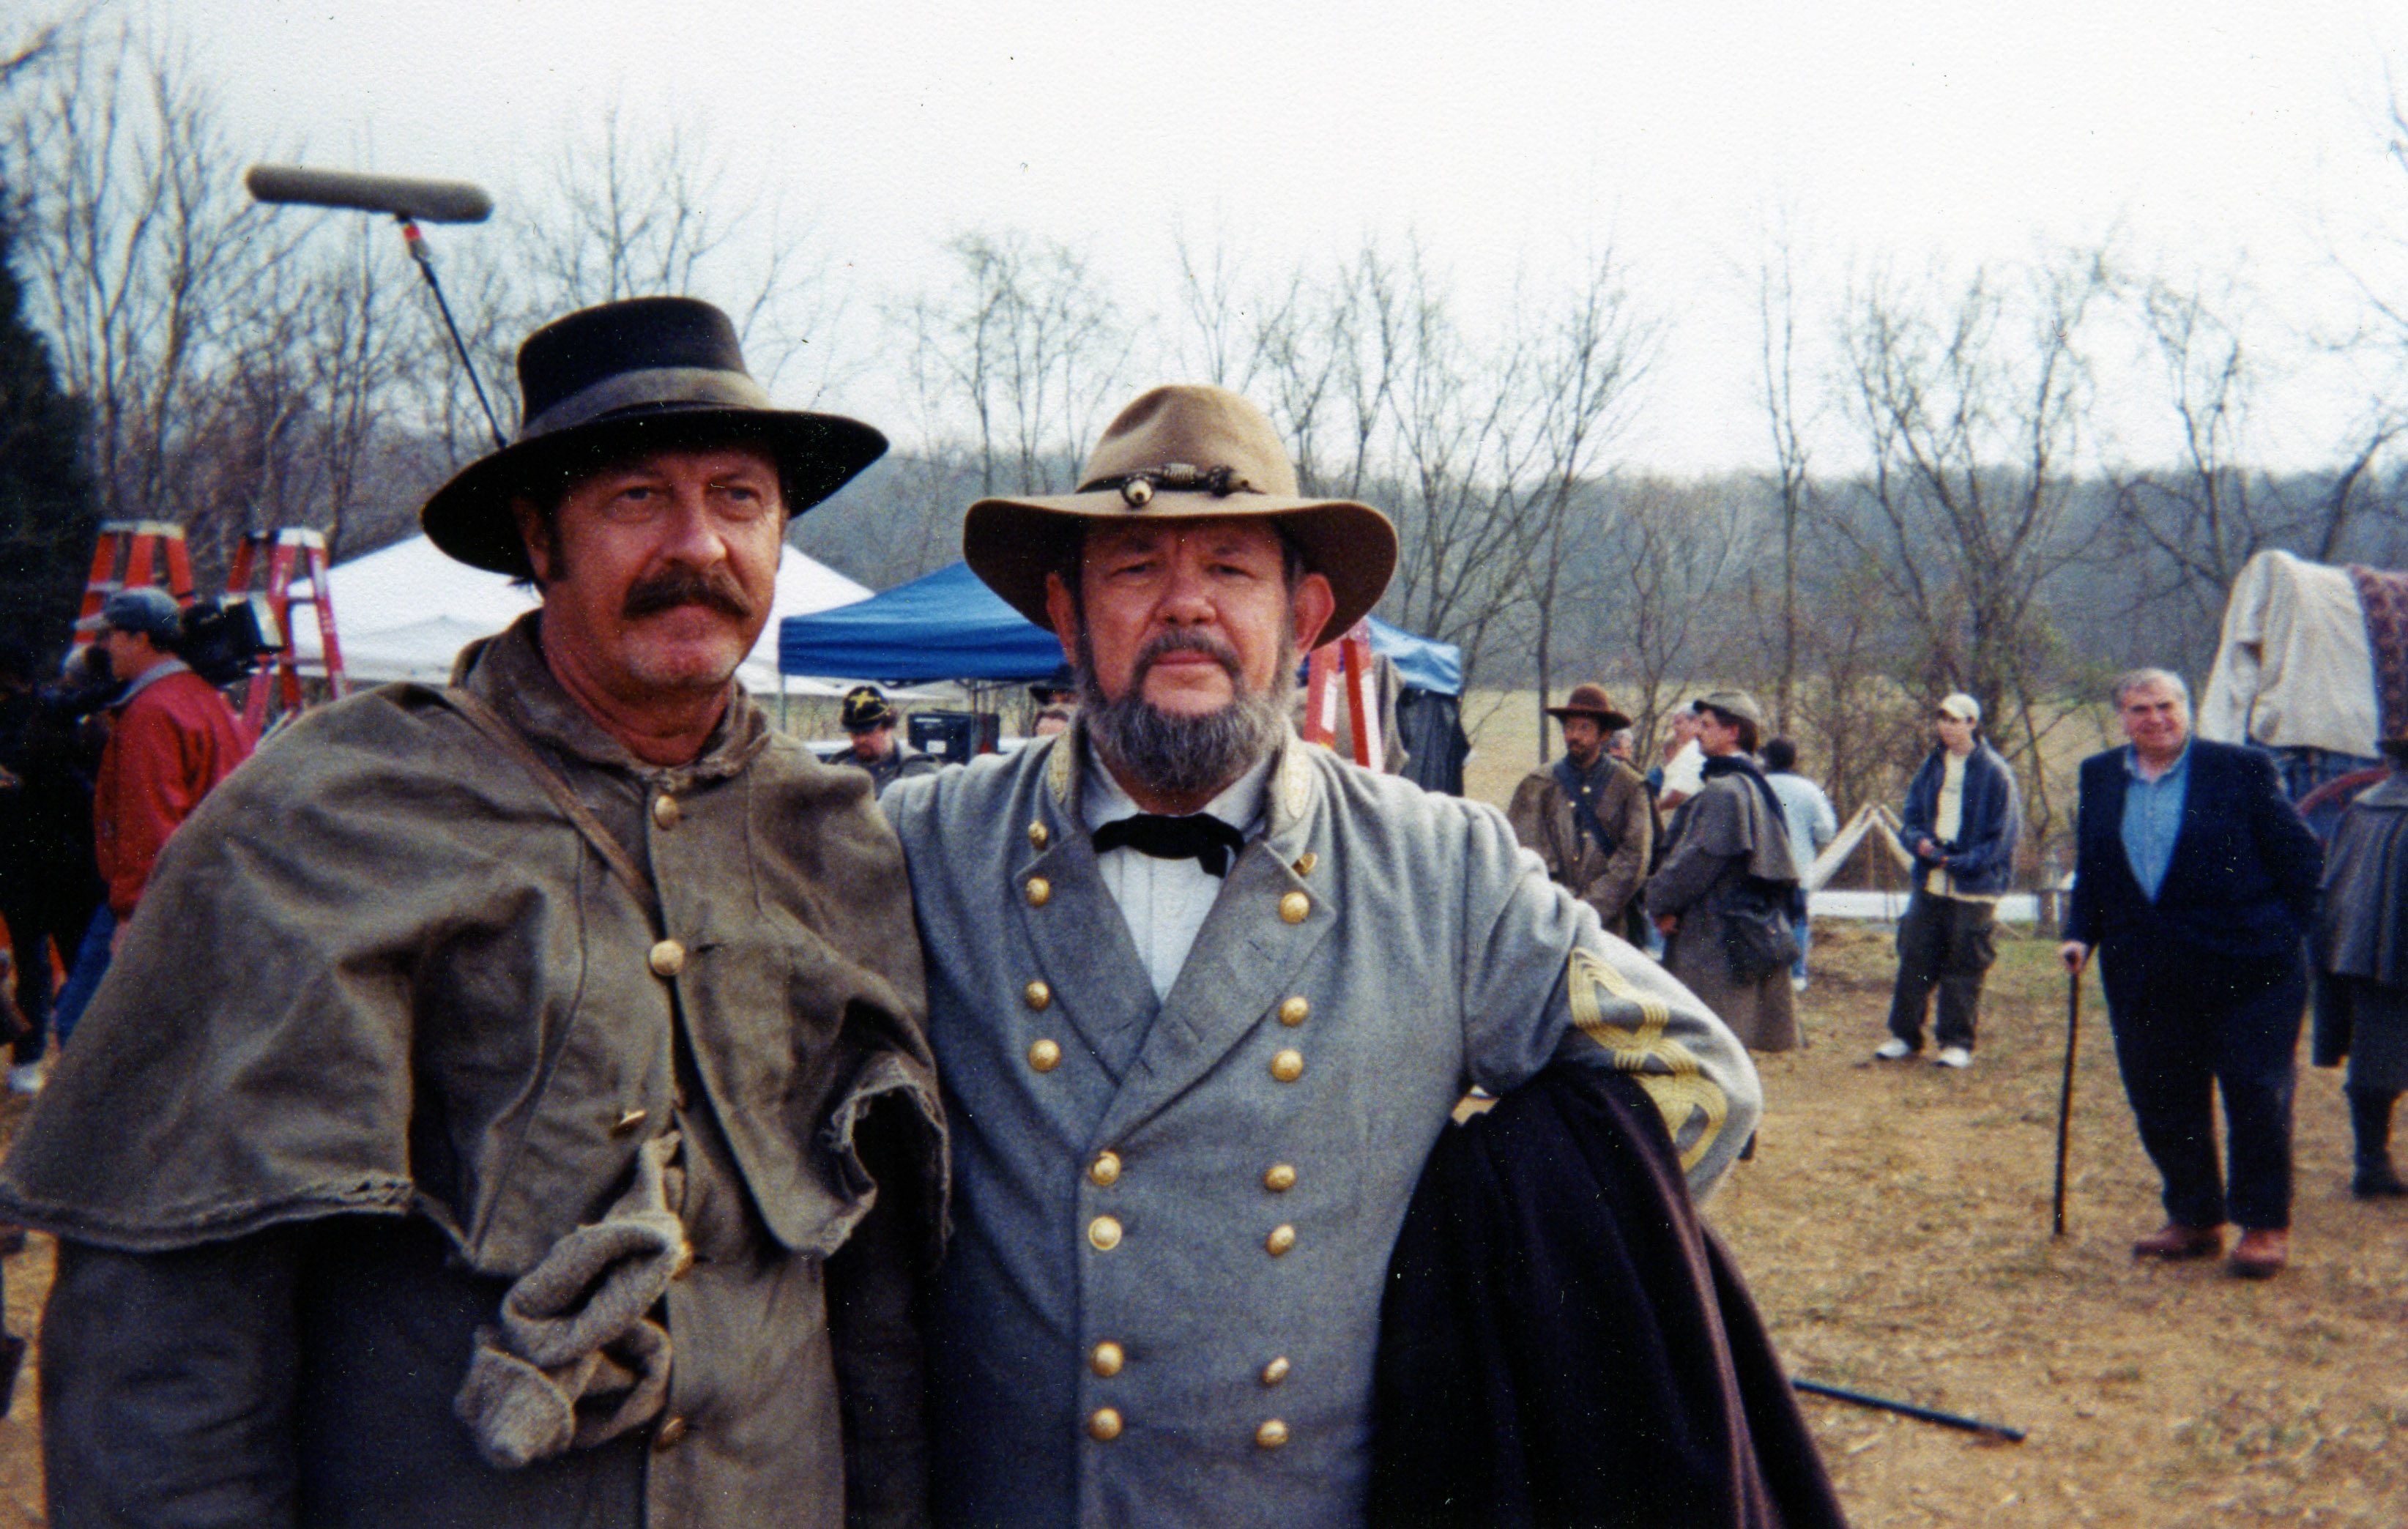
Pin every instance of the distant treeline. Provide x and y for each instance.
(1935, 519)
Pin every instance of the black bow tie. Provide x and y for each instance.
(1201, 837)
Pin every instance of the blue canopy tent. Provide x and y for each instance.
(945, 626)
(951, 626)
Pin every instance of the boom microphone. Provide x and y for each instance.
(430, 201)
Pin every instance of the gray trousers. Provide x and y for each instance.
(1943, 942)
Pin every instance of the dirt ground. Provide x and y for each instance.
(1895, 1225)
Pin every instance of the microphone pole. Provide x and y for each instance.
(416, 243)
(408, 200)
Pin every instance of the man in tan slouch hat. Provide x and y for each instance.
(1204, 996)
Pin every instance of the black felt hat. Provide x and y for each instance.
(645, 373)
(1064, 681)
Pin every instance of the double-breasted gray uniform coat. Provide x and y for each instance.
(1173, 1217)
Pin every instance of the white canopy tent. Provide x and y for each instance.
(404, 612)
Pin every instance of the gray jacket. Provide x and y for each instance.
(1174, 1217)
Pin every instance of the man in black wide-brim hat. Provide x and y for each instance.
(521, 1112)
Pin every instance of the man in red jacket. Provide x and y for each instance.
(173, 737)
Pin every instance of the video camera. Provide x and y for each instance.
(225, 638)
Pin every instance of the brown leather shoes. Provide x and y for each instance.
(2261, 1252)
(2175, 1241)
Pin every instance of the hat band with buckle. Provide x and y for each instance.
(1137, 489)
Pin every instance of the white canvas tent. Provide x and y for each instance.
(406, 611)
(1876, 822)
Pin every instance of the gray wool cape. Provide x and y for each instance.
(387, 1031)
(1716, 839)
(1173, 1218)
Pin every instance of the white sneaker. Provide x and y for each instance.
(1798, 984)
(1892, 1050)
(26, 1078)
(1953, 1056)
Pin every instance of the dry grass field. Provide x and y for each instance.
(1896, 1227)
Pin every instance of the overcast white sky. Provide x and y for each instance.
(1514, 138)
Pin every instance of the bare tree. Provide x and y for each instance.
(634, 207)
(1023, 349)
(1677, 550)
(1479, 450)
(310, 387)
(32, 42)
(1777, 329)
(1212, 304)
(141, 246)
(1970, 404)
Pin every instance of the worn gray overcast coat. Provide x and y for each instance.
(387, 1030)
(1173, 1219)
(1718, 839)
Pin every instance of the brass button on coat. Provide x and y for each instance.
(1106, 1359)
(1276, 1371)
(1306, 862)
(1104, 1426)
(1104, 1233)
(1282, 1237)
(1280, 1179)
(1294, 1012)
(670, 1432)
(1104, 1171)
(666, 959)
(1037, 994)
(628, 1119)
(1271, 1434)
(1294, 905)
(1288, 1065)
(1045, 1056)
(1040, 892)
(666, 811)
(1037, 836)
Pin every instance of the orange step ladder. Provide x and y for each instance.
(144, 544)
(296, 556)
(1347, 662)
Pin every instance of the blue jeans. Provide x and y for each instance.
(1798, 923)
(83, 978)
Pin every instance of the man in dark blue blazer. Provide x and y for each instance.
(2196, 880)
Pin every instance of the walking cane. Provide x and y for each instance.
(2065, 1095)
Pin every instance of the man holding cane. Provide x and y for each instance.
(2195, 881)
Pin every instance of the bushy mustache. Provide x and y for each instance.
(714, 589)
(1186, 642)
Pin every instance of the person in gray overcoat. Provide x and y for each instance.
(1727, 854)
(1203, 997)
(2361, 992)
(510, 1104)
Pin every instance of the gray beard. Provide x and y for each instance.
(1168, 755)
